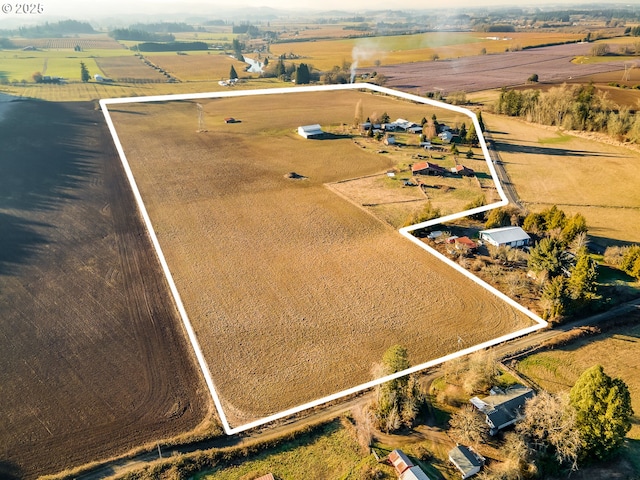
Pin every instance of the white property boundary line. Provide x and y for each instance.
(406, 232)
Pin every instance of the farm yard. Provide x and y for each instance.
(294, 293)
(94, 359)
(575, 173)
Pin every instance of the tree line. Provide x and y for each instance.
(579, 107)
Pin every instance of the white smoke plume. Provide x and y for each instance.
(362, 52)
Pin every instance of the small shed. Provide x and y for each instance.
(414, 473)
(400, 461)
(506, 236)
(446, 136)
(268, 476)
(310, 131)
(466, 460)
(462, 170)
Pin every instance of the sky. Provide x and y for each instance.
(95, 8)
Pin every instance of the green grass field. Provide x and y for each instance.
(332, 454)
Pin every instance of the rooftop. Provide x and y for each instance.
(506, 234)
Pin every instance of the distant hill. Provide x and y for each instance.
(57, 29)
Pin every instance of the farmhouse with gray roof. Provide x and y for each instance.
(466, 460)
(506, 236)
(503, 408)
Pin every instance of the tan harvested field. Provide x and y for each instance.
(129, 69)
(573, 172)
(93, 354)
(294, 292)
(198, 66)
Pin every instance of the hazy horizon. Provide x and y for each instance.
(153, 8)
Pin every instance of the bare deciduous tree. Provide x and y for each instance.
(549, 427)
(467, 426)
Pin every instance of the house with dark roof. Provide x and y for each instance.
(463, 171)
(427, 168)
(503, 407)
(506, 236)
(466, 460)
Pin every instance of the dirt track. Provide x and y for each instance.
(470, 74)
(93, 358)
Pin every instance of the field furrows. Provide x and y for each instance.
(551, 64)
(94, 359)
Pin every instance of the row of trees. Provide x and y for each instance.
(578, 107)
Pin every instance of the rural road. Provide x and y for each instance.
(503, 176)
(505, 351)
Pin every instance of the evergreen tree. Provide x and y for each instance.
(604, 412)
(547, 255)
(472, 136)
(302, 74)
(84, 72)
(574, 226)
(582, 283)
(398, 400)
(498, 217)
(462, 133)
(233, 75)
(481, 122)
(555, 298)
(535, 223)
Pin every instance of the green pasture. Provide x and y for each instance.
(331, 454)
(21, 65)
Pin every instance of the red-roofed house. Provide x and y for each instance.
(467, 242)
(427, 168)
(268, 476)
(400, 461)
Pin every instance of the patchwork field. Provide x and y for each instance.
(400, 49)
(294, 293)
(94, 359)
(575, 173)
(482, 72)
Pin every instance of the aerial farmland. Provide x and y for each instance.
(294, 292)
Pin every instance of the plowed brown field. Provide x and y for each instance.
(293, 291)
(93, 360)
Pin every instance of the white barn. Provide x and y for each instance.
(311, 131)
(506, 236)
